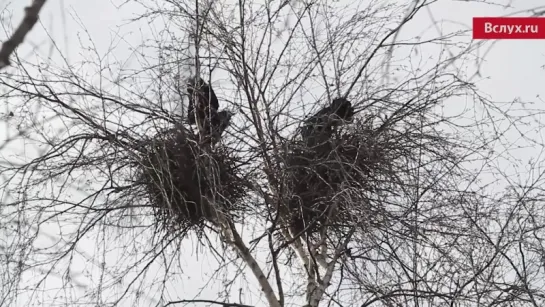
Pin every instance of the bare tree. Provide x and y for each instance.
(394, 207)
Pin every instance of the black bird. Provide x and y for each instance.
(202, 100)
(203, 106)
(321, 124)
(348, 252)
(219, 121)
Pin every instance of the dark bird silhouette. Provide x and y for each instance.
(320, 125)
(203, 110)
(348, 252)
(202, 100)
(219, 121)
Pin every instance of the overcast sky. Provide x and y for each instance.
(511, 69)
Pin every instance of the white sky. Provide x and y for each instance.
(512, 69)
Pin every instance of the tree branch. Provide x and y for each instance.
(246, 255)
(207, 302)
(31, 17)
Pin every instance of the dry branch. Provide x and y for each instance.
(31, 17)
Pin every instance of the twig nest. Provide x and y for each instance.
(187, 183)
(330, 181)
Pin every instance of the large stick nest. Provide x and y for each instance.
(188, 183)
(331, 180)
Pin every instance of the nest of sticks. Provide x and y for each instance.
(330, 181)
(187, 183)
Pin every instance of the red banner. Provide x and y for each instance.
(508, 28)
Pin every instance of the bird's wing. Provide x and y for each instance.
(211, 95)
(191, 113)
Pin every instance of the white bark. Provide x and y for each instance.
(235, 240)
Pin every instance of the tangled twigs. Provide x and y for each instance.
(328, 173)
(186, 184)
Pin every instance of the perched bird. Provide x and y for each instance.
(320, 125)
(217, 124)
(203, 110)
(202, 100)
